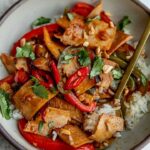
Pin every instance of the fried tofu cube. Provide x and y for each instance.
(107, 126)
(75, 113)
(28, 102)
(58, 116)
(74, 136)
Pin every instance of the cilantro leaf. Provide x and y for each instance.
(25, 51)
(38, 89)
(70, 16)
(40, 126)
(84, 59)
(117, 73)
(97, 67)
(123, 22)
(41, 21)
(4, 104)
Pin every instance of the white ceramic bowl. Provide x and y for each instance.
(17, 21)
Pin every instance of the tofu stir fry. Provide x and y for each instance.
(63, 77)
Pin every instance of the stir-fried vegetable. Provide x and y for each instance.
(9, 79)
(50, 44)
(32, 34)
(75, 79)
(72, 99)
(41, 123)
(43, 78)
(117, 73)
(55, 72)
(21, 76)
(104, 17)
(82, 9)
(136, 72)
(143, 80)
(131, 84)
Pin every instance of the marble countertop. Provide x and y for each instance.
(4, 5)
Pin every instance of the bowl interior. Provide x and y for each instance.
(18, 23)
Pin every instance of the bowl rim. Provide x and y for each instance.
(5, 134)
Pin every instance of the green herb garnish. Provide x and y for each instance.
(70, 16)
(4, 105)
(83, 59)
(117, 74)
(123, 22)
(38, 89)
(25, 51)
(41, 21)
(92, 19)
(97, 67)
(40, 127)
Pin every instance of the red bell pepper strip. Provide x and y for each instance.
(86, 147)
(43, 78)
(76, 78)
(46, 143)
(72, 99)
(104, 17)
(55, 71)
(9, 79)
(82, 9)
(34, 33)
(21, 76)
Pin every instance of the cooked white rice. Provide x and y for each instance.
(144, 67)
(136, 109)
(16, 114)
